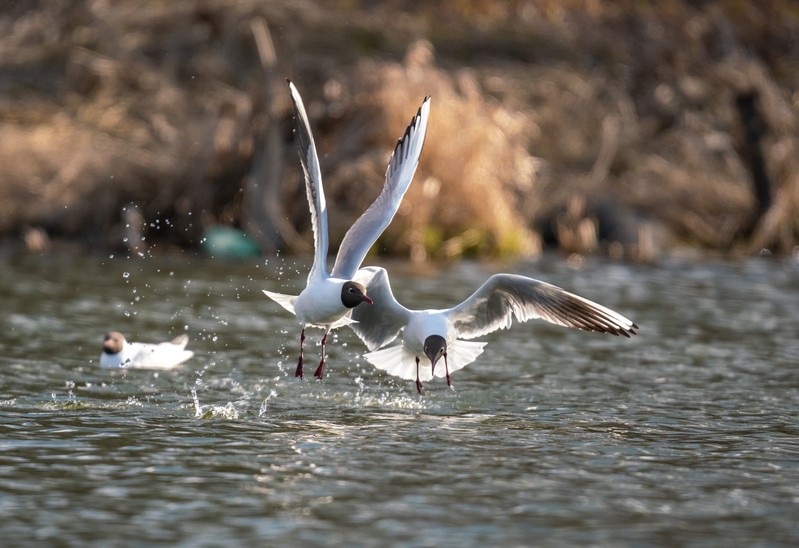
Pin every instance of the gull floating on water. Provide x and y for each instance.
(440, 333)
(118, 353)
(328, 299)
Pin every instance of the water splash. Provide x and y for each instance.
(198, 410)
(264, 405)
(227, 411)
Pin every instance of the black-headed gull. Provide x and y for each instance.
(328, 299)
(121, 354)
(439, 333)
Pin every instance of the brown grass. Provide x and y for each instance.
(595, 126)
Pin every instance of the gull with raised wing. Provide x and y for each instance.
(328, 299)
(439, 334)
(118, 353)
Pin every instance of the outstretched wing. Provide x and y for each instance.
(313, 185)
(378, 324)
(401, 167)
(505, 297)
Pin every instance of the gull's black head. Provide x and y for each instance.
(353, 294)
(435, 346)
(113, 342)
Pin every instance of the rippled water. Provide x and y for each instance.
(686, 434)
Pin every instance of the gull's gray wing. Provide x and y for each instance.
(401, 167)
(378, 324)
(505, 297)
(313, 185)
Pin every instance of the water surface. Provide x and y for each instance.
(685, 434)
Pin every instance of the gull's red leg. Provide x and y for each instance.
(320, 371)
(446, 369)
(298, 372)
(418, 382)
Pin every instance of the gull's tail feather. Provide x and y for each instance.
(286, 301)
(181, 341)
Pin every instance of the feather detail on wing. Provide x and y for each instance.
(313, 185)
(378, 324)
(286, 301)
(505, 297)
(401, 167)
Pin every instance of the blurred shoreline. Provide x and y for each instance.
(625, 129)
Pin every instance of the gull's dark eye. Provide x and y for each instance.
(352, 290)
(425, 349)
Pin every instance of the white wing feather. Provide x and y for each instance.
(401, 167)
(378, 323)
(505, 297)
(313, 185)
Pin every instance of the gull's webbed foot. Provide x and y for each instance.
(320, 371)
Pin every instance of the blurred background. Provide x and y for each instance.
(638, 145)
(624, 128)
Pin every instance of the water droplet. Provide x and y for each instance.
(126, 274)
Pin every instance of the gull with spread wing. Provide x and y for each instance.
(328, 299)
(439, 334)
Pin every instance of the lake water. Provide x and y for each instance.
(687, 434)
